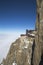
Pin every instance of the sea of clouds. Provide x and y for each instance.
(5, 42)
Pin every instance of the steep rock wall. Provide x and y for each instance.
(20, 52)
(38, 51)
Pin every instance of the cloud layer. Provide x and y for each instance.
(5, 41)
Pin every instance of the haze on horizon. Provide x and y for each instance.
(15, 17)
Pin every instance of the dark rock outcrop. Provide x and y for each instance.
(38, 51)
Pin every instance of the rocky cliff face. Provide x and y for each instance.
(38, 51)
(20, 52)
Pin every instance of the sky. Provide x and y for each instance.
(15, 17)
(17, 14)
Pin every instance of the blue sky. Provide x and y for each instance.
(17, 15)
